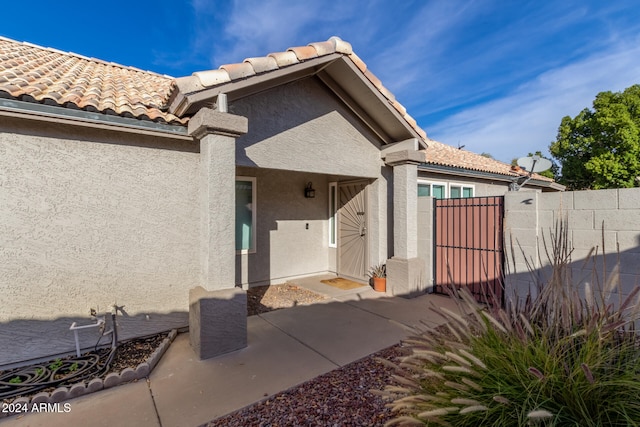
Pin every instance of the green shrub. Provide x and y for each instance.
(562, 358)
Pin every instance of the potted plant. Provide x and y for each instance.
(378, 274)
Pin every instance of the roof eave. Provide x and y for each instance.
(385, 107)
(192, 96)
(62, 115)
(472, 173)
(335, 70)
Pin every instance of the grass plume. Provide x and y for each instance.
(558, 357)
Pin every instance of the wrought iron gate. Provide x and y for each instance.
(352, 231)
(469, 246)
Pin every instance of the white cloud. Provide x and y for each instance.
(527, 119)
(394, 39)
(258, 27)
(438, 56)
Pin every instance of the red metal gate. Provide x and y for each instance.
(469, 246)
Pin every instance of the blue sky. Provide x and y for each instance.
(494, 76)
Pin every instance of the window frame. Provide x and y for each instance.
(254, 214)
(333, 215)
(432, 183)
(462, 188)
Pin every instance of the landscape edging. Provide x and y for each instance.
(112, 379)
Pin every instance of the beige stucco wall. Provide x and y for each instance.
(285, 246)
(298, 133)
(425, 239)
(90, 218)
(302, 127)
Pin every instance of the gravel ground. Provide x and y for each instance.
(339, 398)
(262, 299)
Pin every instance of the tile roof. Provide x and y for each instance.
(446, 155)
(294, 55)
(36, 74)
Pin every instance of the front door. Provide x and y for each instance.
(352, 231)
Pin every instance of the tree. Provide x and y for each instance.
(600, 148)
(550, 173)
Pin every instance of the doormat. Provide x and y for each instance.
(344, 284)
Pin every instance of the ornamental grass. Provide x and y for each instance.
(567, 355)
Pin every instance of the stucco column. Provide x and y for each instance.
(217, 133)
(217, 309)
(405, 272)
(405, 202)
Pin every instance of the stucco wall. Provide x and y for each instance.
(298, 133)
(93, 217)
(285, 247)
(591, 215)
(380, 227)
(425, 238)
(302, 127)
(89, 219)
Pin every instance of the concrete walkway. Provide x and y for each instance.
(286, 348)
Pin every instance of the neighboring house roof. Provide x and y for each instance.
(445, 155)
(48, 76)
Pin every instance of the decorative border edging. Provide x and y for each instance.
(111, 380)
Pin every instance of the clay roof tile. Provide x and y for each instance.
(36, 74)
(304, 52)
(213, 77)
(239, 71)
(445, 155)
(358, 62)
(262, 64)
(341, 46)
(324, 48)
(284, 58)
(373, 79)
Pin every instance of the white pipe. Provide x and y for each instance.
(75, 328)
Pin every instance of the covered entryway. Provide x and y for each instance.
(469, 246)
(352, 231)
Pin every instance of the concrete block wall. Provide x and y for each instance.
(603, 230)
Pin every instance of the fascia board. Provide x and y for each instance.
(55, 114)
(381, 99)
(258, 83)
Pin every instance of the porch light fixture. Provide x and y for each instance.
(309, 192)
